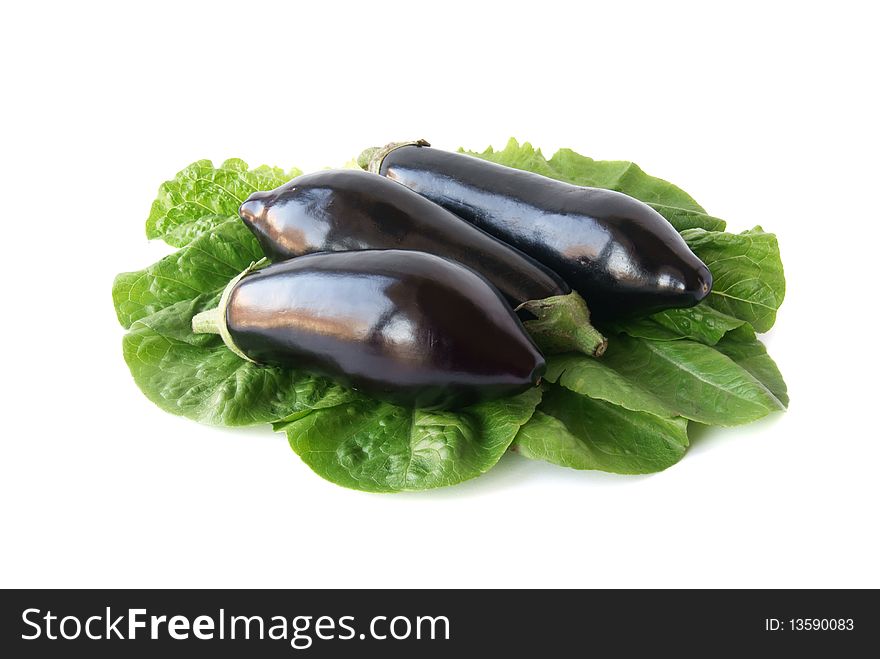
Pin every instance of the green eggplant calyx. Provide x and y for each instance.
(213, 321)
(371, 159)
(562, 324)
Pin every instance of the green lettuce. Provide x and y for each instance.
(747, 271)
(205, 265)
(627, 412)
(378, 447)
(587, 433)
(201, 196)
(748, 352)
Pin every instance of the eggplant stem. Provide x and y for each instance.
(213, 321)
(562, 324)
(371, 159)
(207, 322)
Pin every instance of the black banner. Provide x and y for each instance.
(319, 623)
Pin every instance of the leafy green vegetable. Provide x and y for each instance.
(747, 271)
(692, 379)
(626, 413)
(667, 378)
(378, 447)
(204, 266)
(751, 355)
(623, 176)
(196, 376)
(686, 218)
(700, 323)
(186, 232)
(593, 378)
(643, 328)
(201, 194)
(584, 433)
(667, 199)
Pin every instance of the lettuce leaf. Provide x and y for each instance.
(668, 378)
(700, 323)
(201, 196)
(628, 413)
(694, 380)
(205, 265)
(749, 282)
(378, 447)
(586, 433)
(749, 353)
(594, 379)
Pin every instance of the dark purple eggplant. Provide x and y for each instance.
(406, 327)
(349, 209)
(621, 255)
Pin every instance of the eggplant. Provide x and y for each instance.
(620, 254)
(401, 326)
(348, 209)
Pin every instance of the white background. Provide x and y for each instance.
(765, 112)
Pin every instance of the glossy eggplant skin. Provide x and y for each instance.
(622, 256)
(406, 327)
(343, 210)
